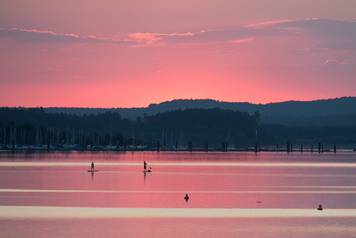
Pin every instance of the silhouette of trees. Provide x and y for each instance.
(187, 129)
(36, 127)
(200, 126)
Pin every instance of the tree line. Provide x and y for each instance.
(22, 126)
(188, 128)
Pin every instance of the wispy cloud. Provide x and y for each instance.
(337, 62)
(267, 23)
(240, 41)
(144, 37)
(200, 37)
(40, 36)
(149, 38)
(332, 34)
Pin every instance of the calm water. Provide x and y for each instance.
(231, 195)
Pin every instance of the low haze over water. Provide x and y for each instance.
(231, 195)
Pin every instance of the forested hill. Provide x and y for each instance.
(328, 112)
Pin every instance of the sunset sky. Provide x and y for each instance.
(124, 53)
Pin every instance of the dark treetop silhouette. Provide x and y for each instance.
(189, 128)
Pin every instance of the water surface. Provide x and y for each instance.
(231, 194)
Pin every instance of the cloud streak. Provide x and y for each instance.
(224, 35)
(338, 62)
(45, 36)
(332, 34)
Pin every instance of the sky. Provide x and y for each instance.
(120, 53)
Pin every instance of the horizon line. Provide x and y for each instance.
(182, 99)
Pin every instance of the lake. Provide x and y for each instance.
(230, 194)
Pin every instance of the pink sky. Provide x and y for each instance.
(131, 53)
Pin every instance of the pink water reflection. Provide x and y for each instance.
(213, 180)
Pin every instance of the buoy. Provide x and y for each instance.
(320, 208)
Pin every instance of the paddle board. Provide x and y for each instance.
(92, 171)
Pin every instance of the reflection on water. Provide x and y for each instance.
(179, 228)
(228, 191)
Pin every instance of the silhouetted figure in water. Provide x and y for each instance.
(145, 169)
(186, 197)
(92, 166)
(320, 208)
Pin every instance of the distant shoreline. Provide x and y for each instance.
(252, 150)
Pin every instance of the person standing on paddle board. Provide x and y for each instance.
(144, 166)
(186, 197)
(92, 166)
